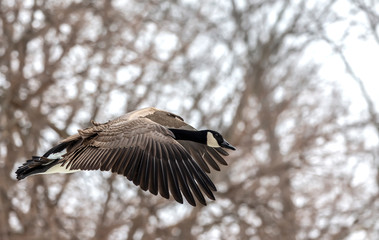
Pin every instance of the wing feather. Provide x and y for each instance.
(163, 179)
(118, 160)
(205, 155)
(153, 175)
(172, 179)
(216, 156)
(128, 164)
(183, 183)
(134, 165)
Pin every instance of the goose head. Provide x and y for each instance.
(215, 139)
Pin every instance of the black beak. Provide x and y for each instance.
(225, 144)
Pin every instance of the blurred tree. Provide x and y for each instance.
(236, 66)
(363, 24)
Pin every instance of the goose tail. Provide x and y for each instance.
(36, 165)
(50, 162)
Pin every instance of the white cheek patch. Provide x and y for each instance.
(211, 141)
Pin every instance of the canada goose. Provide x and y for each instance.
(155, 149)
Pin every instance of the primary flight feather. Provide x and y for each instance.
(154, 149)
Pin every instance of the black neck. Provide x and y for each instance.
(195, 136)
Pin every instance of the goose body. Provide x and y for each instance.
(155, 149)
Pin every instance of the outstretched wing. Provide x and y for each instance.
(149, 156)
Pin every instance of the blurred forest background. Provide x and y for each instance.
(307, 159)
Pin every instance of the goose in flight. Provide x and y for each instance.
(155, 149)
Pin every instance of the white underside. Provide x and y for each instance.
(59, 169)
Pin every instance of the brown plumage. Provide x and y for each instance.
(155, 149)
